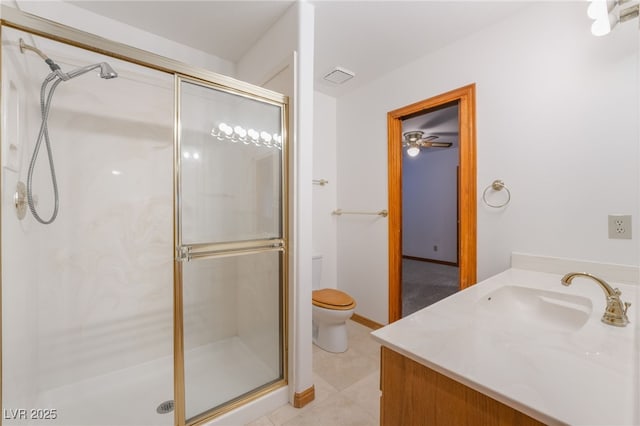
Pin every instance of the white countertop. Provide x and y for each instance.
(585, 375)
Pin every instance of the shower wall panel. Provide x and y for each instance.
(90, 294)
(19, 299)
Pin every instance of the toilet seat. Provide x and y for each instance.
(330, 298)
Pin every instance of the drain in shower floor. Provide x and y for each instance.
(165, 407)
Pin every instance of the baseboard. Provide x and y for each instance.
(366, 322)
(300, 399)
(422, 259)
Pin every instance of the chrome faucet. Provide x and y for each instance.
(616, 311)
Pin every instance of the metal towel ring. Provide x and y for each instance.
(496, 185)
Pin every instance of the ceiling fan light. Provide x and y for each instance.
(413, 150)
(413, 136)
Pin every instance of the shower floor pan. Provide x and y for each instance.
(215, 373)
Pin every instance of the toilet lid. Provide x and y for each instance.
(331, 298)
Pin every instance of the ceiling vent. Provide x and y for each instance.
(339, 75)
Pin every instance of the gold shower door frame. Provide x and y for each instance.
(186, 252)
(14, 18)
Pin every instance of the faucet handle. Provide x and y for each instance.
(616, 311)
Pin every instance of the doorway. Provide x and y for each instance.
(464, 99)
(429, 207)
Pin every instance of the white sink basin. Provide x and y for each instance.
(525, 340)
(537, 308)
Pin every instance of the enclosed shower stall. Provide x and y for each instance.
(143, 234)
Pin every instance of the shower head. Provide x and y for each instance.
(105, 71)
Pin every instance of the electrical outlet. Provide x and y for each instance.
(620, 226)
(435, 248)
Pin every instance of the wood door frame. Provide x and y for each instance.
(465, 97)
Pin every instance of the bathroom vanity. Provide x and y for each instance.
(518, 348)
(413, 394)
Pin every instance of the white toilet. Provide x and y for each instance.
(331, 309)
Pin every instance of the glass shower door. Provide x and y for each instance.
(231, 245)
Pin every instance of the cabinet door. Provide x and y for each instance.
(415, 395)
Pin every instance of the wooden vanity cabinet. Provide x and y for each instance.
(415, 395)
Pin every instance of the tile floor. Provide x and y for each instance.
(346, 387)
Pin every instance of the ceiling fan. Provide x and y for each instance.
(413, 141)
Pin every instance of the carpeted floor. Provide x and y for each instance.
(424, 283)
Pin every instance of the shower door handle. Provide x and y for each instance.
(207, 251)
(182, 254)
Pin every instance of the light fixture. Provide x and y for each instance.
(222, 131)
(413, 150)
(188, 155)
(600, 8)
(608, 13)
(414, 141)
(239, 134)
(266, 137)
(604, 16)
(254, 136)
(603, 26)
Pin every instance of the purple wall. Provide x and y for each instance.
(429, 204)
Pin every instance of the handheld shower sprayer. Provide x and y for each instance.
(106, 71)
(55, 77)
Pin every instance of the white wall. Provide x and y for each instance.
(271, 53)
(325, 197)
(429, 204)
(289, 44)
(82, 19)
(556, 119)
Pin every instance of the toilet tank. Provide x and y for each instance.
(316, 272)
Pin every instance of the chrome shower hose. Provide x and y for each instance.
(44, 134)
